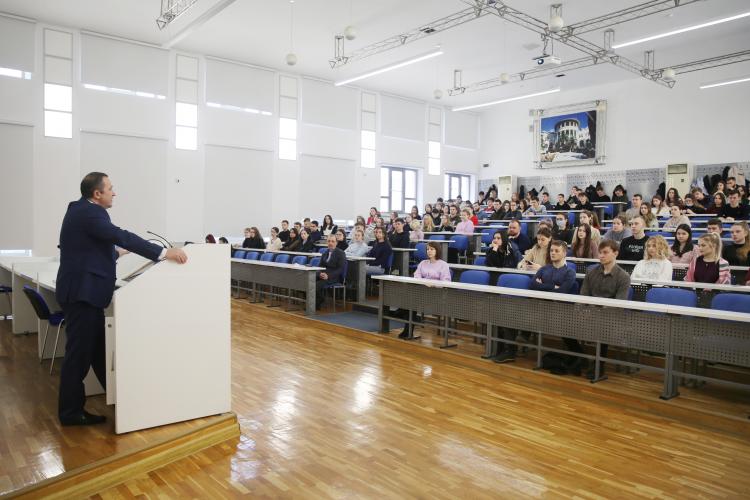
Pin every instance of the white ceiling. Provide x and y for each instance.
(257, 31)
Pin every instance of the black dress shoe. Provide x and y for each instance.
(84, 418)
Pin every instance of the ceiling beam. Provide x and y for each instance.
(196, 23)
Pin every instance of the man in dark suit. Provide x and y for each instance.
(334, 261)
(84, 287)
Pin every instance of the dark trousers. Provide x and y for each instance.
(320, 290)
(84, 328)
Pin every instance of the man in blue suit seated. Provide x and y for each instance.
(333, 260)
(85, 284)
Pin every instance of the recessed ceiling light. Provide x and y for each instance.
(391, 67)
(726, 82)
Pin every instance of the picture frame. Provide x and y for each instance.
(570, 136)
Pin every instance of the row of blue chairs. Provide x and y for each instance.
(735, 302)
(281, 258)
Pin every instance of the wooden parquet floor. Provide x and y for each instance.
(328, 415)
(33, 445)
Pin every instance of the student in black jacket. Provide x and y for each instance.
(314, 232)
(253, 239)
(399, 238)
(284, 233)
(501, 252)
(308, 244)
(561, 203)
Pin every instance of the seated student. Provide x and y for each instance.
(334, 261)
(454, 215)
(210, 238)
(341, 240)
(306, 224)
(399, 238)
(432, 268)
(284, 233)
(445, 225)
(715, 225)
(561, 231)
(427, 225)
(583, 202)
(545, 201)
(649, 219)
(274, 243)
(223, 240)
(588, 217)
(719, 201)
(708, 267)
(381, 250)
(633, 247)
(697, 203)
(416, 233)
(620, 195)
(573, 198)
(538, 255)
(655, 264)
(473, 215)
(357, 247)
(683, 251)
(294, 242)
(676, 218)
(435, 216)
(536, 208)
(515, 235)
(690, 205)
(307, 244)
(465, 226)
(607, 280)
(736, 252)
(298, 227)
(513, 211)
(373, 214)
(602, 197)
(314, 232)
(253, 239)
(328, 226)
(619, 229)
(502, 252)
(415, 213)
(658, 207)
(635, 209)
(734, 210)
(555, 276)
(673, 198)
(427, 211)
(389, 226)
(498, 210)
(561, 203)
(584, 246)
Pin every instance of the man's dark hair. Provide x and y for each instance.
(307, 219)
(715, 222)
(439, 200)
(559, 243)
(92, 182)
(314, 222)
(399, 219)
(731, 179)
(638, 195)
(733, 191)
(611, 244)
(285, 221)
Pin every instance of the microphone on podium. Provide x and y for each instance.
(162, 238)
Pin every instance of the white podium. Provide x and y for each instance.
(169, 342)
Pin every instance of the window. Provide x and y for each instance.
(58, 107)
(287, 139)
(433, 158)
(398, 189)
(186, 119)
(457, 185)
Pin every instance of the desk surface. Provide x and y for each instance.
(578, 299)
(279, 265)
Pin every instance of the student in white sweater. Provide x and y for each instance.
(655, 264)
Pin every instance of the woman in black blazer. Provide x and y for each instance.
(307, 243)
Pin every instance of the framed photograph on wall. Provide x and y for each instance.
(567, 136)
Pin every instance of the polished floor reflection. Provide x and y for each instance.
(330, 415)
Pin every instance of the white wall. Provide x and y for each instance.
(234, 179)
(648, 126)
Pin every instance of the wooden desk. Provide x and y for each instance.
(289, 276)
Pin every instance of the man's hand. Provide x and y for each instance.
(324, 276)
(176, 255)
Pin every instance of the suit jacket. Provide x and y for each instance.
(335, 265)
(88, 255)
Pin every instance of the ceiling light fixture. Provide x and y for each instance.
(391, 67)
(682, 30)
(510, 99)
(721, 84)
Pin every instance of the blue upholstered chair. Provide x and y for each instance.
(283, 258)
(475, 277)
(735, 302)
(300, 259)
(480, 261)
(267, 257)
(672, 296)
(511, 280)
(252, 255)
(42, 311)
(239, 254)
